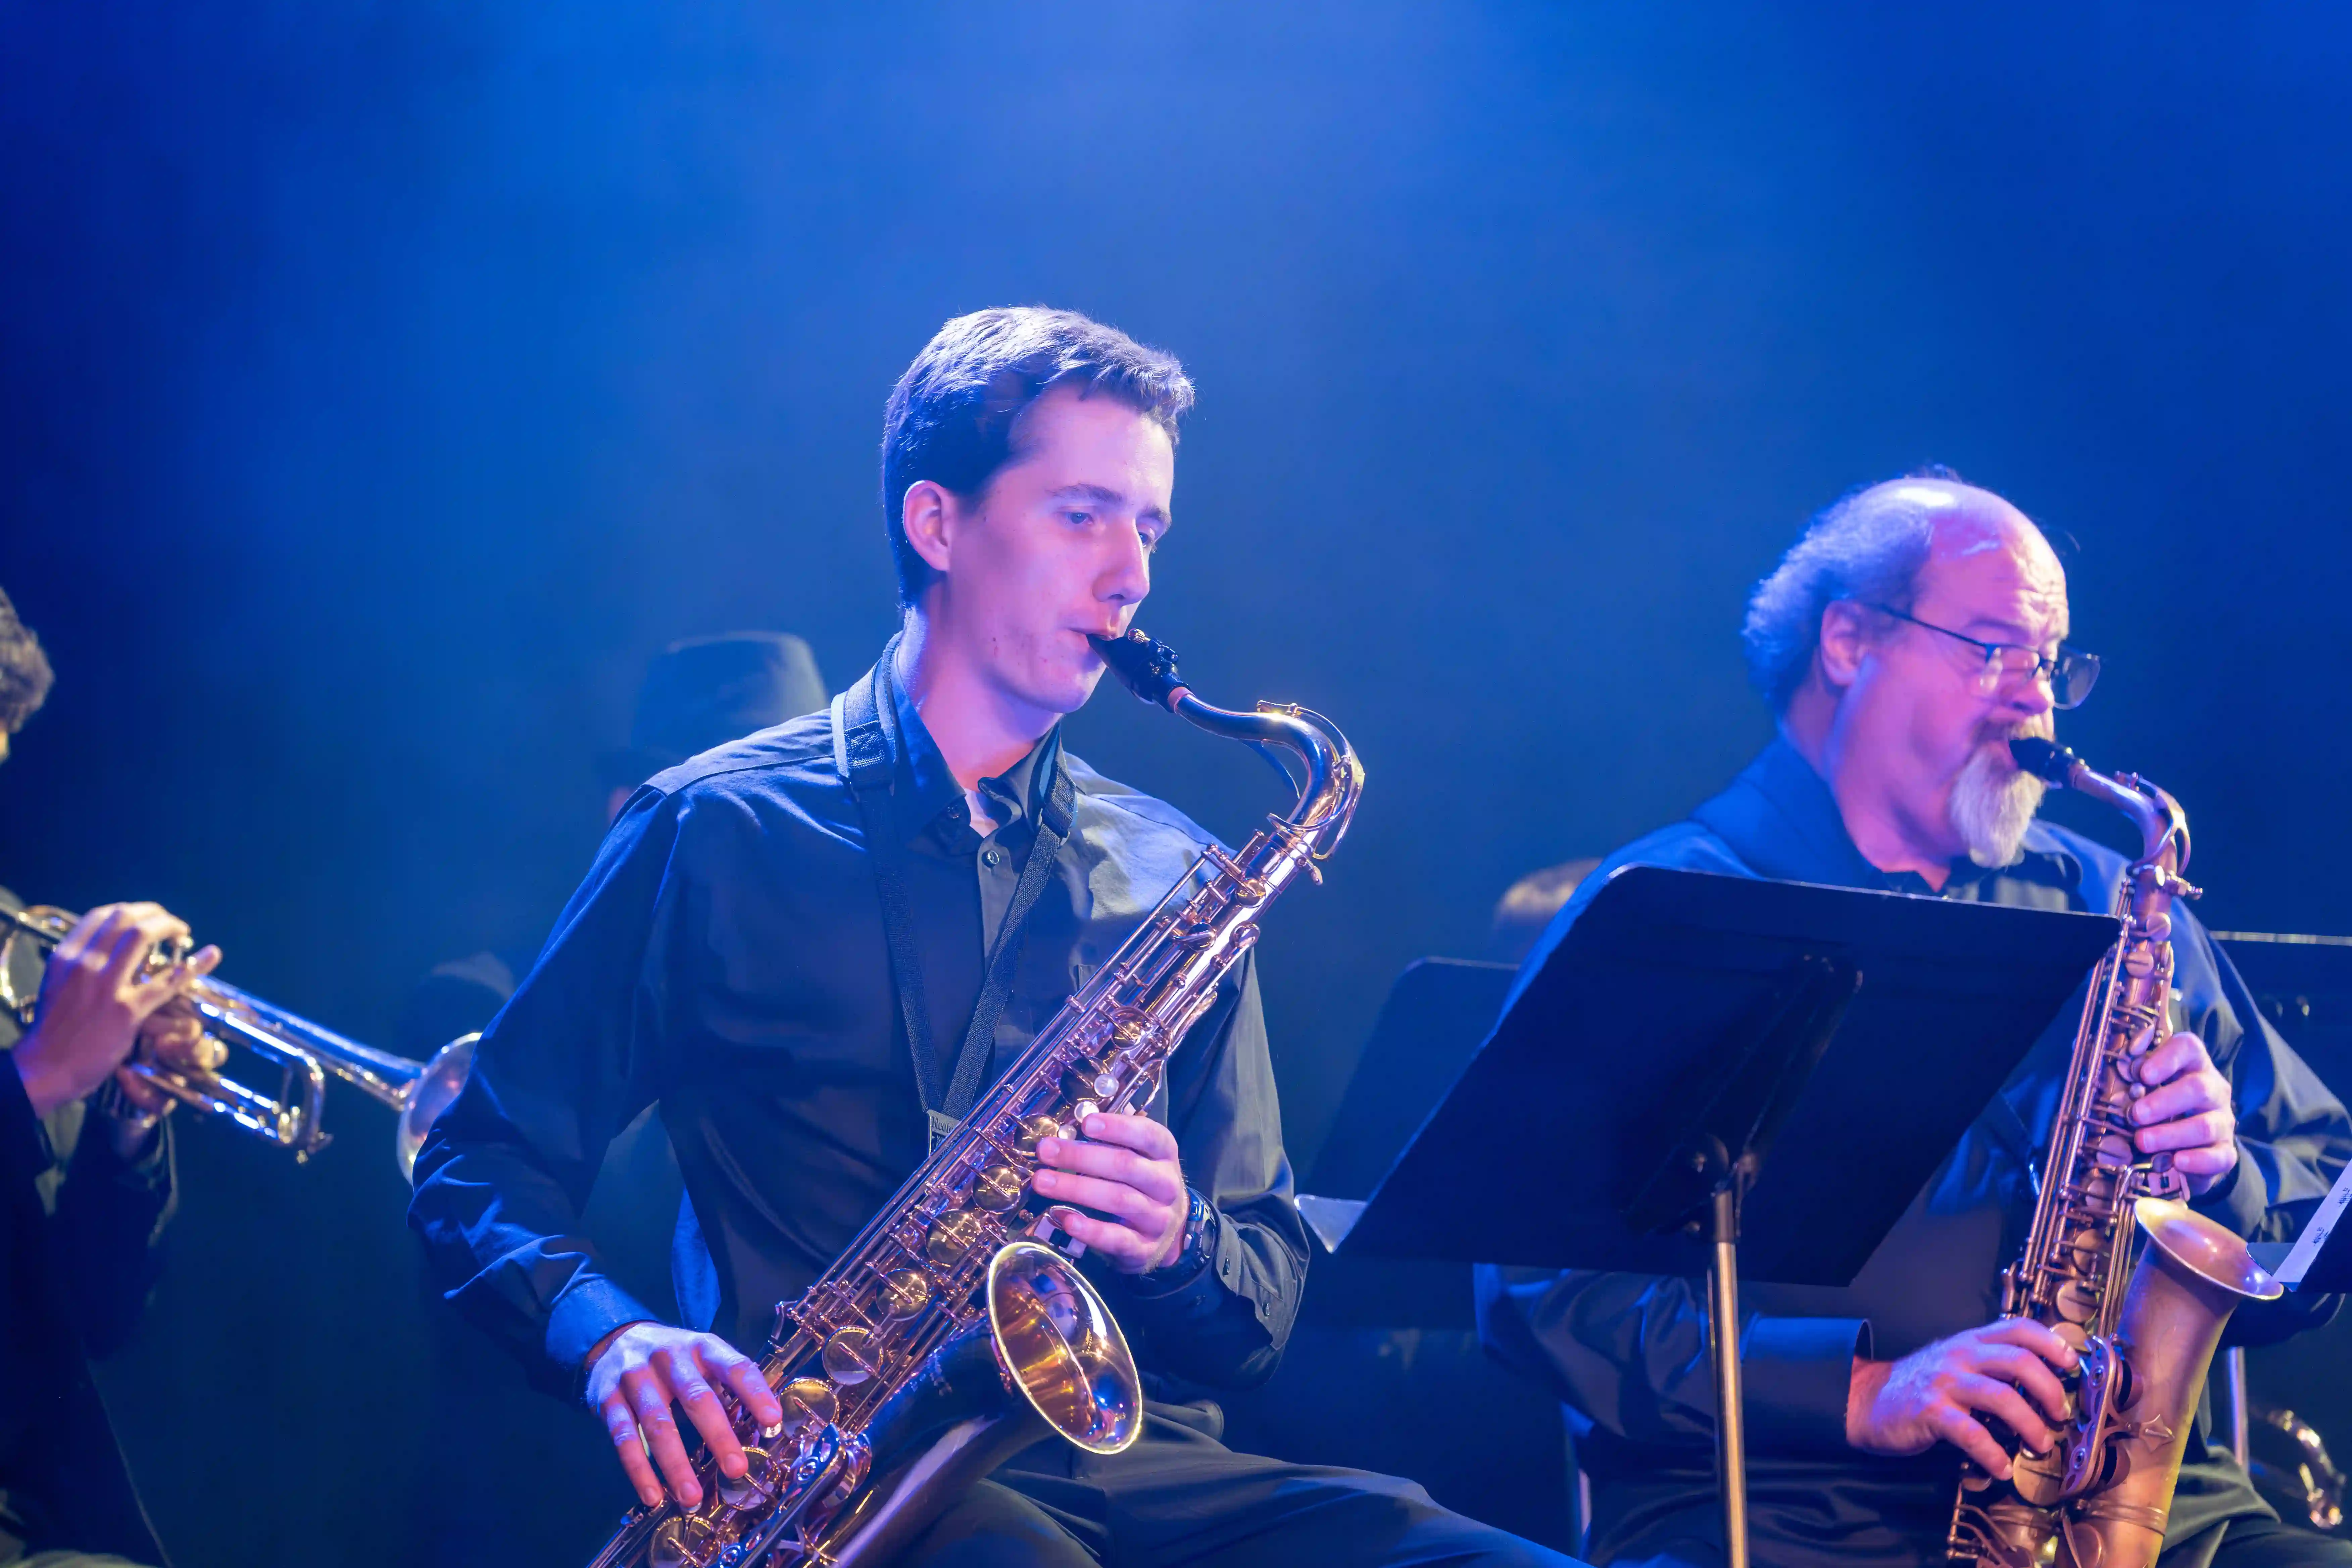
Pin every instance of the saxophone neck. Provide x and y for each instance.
(1332, 777)
(2163, 825)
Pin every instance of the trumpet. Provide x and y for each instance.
(305, 1054)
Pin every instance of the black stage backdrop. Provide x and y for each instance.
(383, 382)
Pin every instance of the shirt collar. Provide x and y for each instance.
(1779, 816)
(931, 788)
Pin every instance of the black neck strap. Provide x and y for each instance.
(867, 742)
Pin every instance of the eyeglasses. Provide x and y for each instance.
(2070, 676)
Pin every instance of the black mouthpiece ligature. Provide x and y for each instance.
(1144, 665)
(2045, 760)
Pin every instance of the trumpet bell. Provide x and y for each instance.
(436, 1090)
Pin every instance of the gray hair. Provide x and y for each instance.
(1865, 546)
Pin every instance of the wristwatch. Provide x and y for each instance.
(1199, 1226)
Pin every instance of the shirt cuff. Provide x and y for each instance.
(1795, 1374)
(2241, 1200)
(590, 1308)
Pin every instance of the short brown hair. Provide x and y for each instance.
(24, 673)
(949, 419)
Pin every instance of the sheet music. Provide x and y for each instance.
(2314, 1234)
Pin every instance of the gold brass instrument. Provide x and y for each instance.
(951, 1333)
(305, 1053)
(2100, 1498)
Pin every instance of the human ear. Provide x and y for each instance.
(927, 513)
(1844, 641)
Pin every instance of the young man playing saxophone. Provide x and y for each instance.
(1917, 628)
(726, 959)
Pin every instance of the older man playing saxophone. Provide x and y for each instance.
(1915, 629)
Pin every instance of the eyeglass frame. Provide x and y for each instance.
(2045, 667)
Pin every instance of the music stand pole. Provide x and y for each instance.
(1723, 1339)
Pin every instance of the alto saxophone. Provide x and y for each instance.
(955, 1332)
(2100, 1497)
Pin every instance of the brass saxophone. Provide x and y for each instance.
(2100, 1498)
(954, 1331)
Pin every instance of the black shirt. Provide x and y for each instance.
(1627, 1353)
(726, 959)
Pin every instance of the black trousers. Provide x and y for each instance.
(2256, 1542)
(1180, 1496)
(2250, 1541)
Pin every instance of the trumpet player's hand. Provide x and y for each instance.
(94, 1000)
(173, 1039)
(2186, 1110)
(1124, 1169)
(639, 1370)
(2008, 1370)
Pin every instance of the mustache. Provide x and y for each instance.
(2038, 728)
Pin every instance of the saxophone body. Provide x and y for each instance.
(2146, 1321)
(955, 1331)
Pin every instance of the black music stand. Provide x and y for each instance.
(1687, 1026)
(1437, 1012)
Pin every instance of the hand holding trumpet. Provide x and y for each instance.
(99, 999)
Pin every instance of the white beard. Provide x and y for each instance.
(1991, 807)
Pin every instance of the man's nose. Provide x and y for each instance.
(2032, 698)
(1127, 576)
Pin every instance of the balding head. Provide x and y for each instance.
(1871, 547)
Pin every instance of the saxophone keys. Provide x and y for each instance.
(752, 1487)
(952, 1238)
(848, 1359)
(1078, 1114)
(999, 1188)
(904, 1294)
(680, 1543)
(1033, 1128)
(807, 1402)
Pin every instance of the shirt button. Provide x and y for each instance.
(991, 857)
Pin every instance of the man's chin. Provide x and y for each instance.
(1991, 805)
(1063, 691)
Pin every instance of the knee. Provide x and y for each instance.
(1438, 1538)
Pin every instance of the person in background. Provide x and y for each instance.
(86, 1187)
(696, 693)
(1528, 904)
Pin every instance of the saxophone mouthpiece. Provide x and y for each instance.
(1144, 665)
(2045, 760)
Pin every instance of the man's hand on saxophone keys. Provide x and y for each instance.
(1126, 1170)
(2186, 1111)
(1938, 1392)
(639, 1370)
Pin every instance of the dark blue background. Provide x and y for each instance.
(380, 384)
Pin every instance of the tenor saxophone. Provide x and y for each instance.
(955, 1332)
(2145, 1331)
